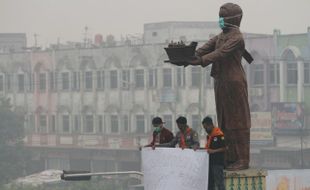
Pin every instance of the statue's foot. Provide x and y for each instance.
(239, 165)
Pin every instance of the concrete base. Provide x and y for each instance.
(250, 179)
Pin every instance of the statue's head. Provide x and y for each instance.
(230, 15)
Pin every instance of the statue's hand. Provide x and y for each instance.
(195, 60)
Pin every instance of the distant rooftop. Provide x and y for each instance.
(196, 24)
(12, 35)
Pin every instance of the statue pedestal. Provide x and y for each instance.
(250, 179)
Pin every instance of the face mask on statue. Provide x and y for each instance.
(223, 24)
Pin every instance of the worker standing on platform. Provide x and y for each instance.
(186, 137)
(160, 133)
(216, 148)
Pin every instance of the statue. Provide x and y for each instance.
(224, 52)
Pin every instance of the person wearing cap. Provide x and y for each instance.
(160, 133)
(215, 146)
(186, 137)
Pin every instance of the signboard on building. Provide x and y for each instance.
(174, 168)
(261, 131)
(288, 179)
(287, 117)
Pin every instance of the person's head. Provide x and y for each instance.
(182, 123)
(230, 15)
(157, 123)
(207, 124)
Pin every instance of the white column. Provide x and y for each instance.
(282, 81)
(160, 77)
(300, 81)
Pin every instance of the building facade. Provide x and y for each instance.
(92, 108)
(12, 42)
(164, 32)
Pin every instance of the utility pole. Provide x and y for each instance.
(85, 37)
(301, 146)
(35, 40)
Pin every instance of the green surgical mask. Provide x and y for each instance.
(157, 129)
(221, 22)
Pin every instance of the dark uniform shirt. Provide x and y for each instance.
(191, 140)
(216, 143)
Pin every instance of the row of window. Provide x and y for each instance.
(90, 124)
(100, 80)
(139, 78)
(257, 76)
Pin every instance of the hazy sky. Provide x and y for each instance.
(66, 19)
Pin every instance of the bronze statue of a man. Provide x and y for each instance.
(225, 52)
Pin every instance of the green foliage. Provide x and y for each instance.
(110, 40)
(11, 124)
(12, 153)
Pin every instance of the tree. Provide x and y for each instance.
(110, 40)
(12, 152)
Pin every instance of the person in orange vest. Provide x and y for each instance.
(186, 137)
(216, 148)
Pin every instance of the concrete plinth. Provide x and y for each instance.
(250, 179)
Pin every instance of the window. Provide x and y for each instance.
(65, 123)
(31, 123)
(8, 82)
(21, 82)
(307, 73)
(77, 123)
(113, 79)
(100, 80)
(125, 123)
(88, 80)
(167, 78)
(52, 124)
(125, 79)
(291, 73)
(56, 80)
(114, 124)
(154, 34)
(31, 82)
(196, 76)
(196, 123)
(65, 81)
(258, 71)
(42, 122)
(100, 124)
(52, 80)
(139, 78)
(76, 81)
(42, 81)
(274, 74)
(168, 121)
(1, 83)
(140, 124)
(89, 124)
(153, 78)
(180, 77)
